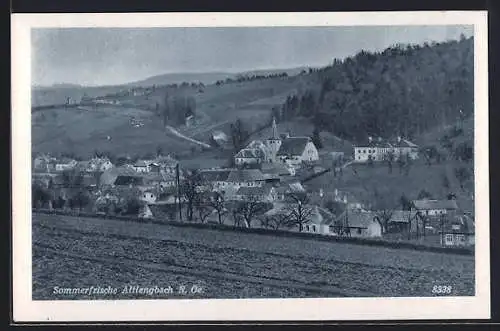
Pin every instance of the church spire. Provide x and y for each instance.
(275, 129)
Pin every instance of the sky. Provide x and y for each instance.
(108, 56)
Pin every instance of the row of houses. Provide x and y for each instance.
(434, 217)
(47, 164)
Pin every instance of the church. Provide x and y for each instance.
(285, 149)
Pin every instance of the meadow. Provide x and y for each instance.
(230, 265)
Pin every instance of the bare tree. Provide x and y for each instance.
(218, 203)
(248, 209)
(189, 192)
(166, 109)
(276, 221)
(202, 206)
(299, 210)
(383, 209)
(390, 159)
(462, 174)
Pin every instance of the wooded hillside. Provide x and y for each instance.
(403, 90)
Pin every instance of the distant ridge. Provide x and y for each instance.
(178, 78)
(207, 77)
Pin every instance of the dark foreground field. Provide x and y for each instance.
(71, 252)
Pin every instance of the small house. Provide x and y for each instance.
(65, 164)
(265, 193)
(319, 221)
(142, 166)
(357, 223)
(249, 156)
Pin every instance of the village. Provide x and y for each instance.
(266, 187)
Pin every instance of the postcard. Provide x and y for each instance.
(250, 166)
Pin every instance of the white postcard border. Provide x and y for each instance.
(27, 310)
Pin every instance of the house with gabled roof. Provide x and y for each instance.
(265, 193)
(296, 150)
(249, 156)
(432, 207)
(65, 163)
(459, 232)
(357, 223)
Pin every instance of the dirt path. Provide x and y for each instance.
(180, 135)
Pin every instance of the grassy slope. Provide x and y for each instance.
(421, 176)
(224, 263)
(82, 132)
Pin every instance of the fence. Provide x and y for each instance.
(269, 232)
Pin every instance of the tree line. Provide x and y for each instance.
(248, 78)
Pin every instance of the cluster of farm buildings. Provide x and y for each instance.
(278, 182)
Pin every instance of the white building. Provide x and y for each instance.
(380, 150)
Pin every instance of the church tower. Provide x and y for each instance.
(275, 129)
(272, 144)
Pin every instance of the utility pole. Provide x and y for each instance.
(177, 176)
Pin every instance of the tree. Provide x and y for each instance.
(401, 163)
(408, 163)
(462, 174)
(40, 195)
(159, 151)
(406, 204)
(189, 192)
(81, 200)
(384, 208)
(276, 221)
(249, 209)
(445, 181)
(202, 207)
(166, 109)
(218, 204)
(370, 161)
(299, 210)
(132, 206)
(423, 194)
(72, 178)
(317, 139)
(239, 134)
(335, 207)
(390, 159)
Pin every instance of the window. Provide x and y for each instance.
(460, 238)
(314, 228)
(359, 231)
(307, 227)
(449, 238)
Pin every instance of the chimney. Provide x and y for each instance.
(379, 139)
(369, 139)
(399, 139)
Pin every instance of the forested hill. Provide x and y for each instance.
(403, 90)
